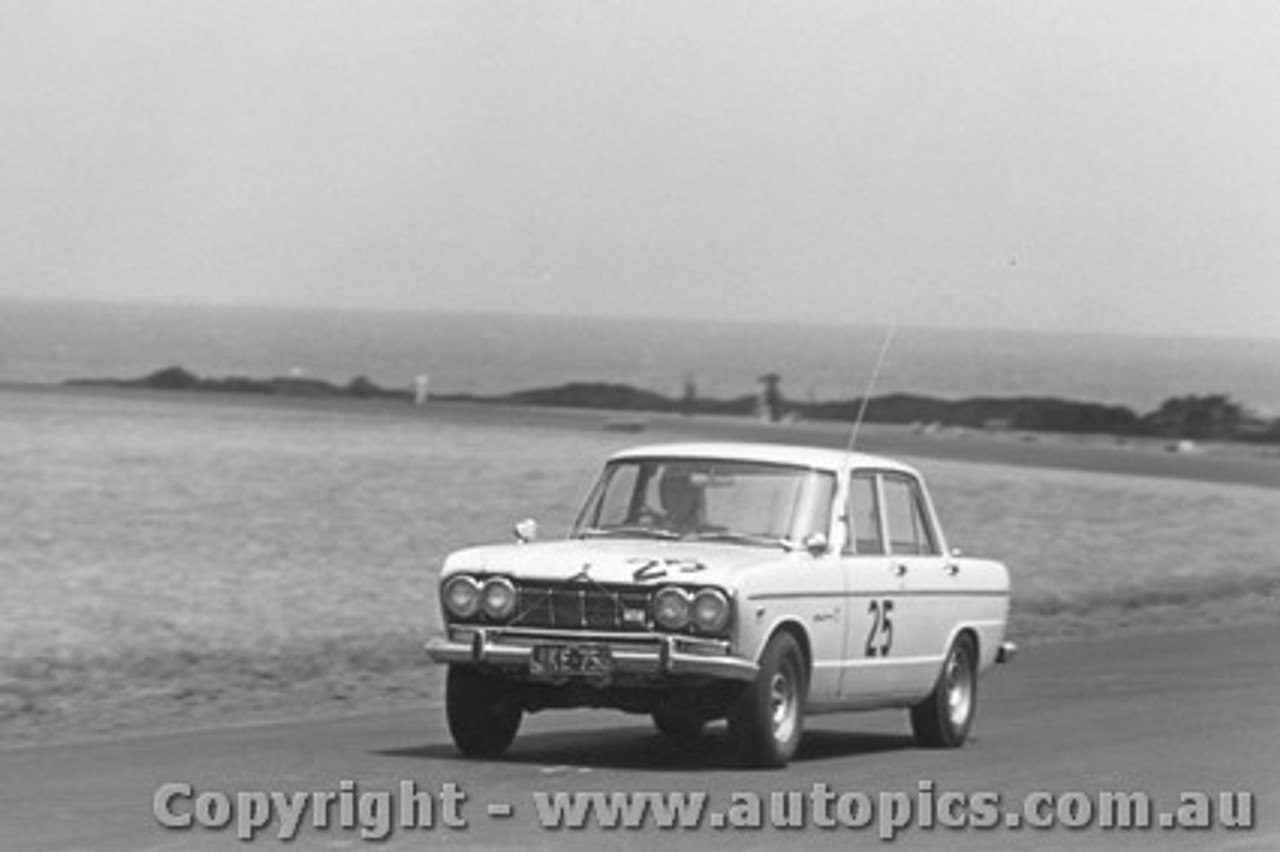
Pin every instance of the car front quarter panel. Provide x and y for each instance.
(800, 593)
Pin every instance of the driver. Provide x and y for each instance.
(681, 502)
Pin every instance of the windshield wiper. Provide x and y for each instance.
(743, 538)
(632, 530)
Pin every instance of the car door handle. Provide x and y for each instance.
(899, 570)
(951, 568)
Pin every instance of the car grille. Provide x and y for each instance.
(583, 606)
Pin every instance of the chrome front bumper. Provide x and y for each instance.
(644, 654)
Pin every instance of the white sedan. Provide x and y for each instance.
(756, 583)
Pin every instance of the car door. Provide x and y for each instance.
(873, 596)
(927, 606)
(816, 592)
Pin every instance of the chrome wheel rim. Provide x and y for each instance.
(959, 688)
(783, 705)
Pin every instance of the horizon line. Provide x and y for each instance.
(366, 310)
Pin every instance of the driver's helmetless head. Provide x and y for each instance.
(680, 498)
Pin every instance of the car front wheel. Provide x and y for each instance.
(483, 712)
(767, 719)
(943, 719)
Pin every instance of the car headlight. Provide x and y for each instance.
(710, 610)
(671, 606)
(498, 598)
(461, 596)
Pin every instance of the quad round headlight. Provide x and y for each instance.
(710, 611)
(498, 598)
(671, 606)
(461, 595)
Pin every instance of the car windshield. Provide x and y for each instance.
(736, 502)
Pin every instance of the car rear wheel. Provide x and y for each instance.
(943, 719)
(484, 714)
(767, 719)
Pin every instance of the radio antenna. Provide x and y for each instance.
(866, 397)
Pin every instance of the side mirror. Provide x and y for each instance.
(526, 530)
(816, 544)
(956, 552)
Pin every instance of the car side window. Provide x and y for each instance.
(864, 517)
(909, 531)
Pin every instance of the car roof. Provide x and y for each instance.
(820, 458)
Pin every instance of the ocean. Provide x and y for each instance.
(50, 342)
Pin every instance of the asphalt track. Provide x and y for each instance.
(1160, 714)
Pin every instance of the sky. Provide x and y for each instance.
(1085, 165)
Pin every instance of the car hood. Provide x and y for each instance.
(617, 561)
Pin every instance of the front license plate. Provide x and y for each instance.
(581, 660)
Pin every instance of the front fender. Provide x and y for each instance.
(754, 642)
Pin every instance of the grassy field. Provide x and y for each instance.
(165, 562)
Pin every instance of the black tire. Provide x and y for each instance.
(678, 727)
(766, 720)
(944, 718)
(484, 713)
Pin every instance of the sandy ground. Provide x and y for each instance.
(1155, 708)
(392, 674)
(1245, 464)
